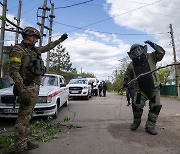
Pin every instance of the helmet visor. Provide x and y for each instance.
(136, 52)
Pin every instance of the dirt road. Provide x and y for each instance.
(102, 127)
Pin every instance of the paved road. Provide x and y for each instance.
(103, 128)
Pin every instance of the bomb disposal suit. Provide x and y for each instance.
(26, 69)
(148, 86)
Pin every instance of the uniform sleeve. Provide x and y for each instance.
(15, 65)
(128, 74)
(159, 53)
(49, 46)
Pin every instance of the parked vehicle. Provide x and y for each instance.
(52, 95)
(79, 88)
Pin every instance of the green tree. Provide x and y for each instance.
(90, 75)
(119, 76)
(60, 59)
(163, 74)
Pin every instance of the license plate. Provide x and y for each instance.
(74, 92)
(10, 110)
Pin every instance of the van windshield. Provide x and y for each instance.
(78, 81)
(49, 81)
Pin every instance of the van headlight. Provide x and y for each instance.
(49, 99)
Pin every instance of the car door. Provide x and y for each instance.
(63, 90)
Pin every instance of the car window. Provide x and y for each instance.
(78, 81)
(60, 80)
(49, 81)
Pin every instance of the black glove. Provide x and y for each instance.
(150, 43)
(125, 83)
(63, 37)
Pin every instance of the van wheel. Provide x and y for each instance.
(90, 95)
(87, 97)
(54, 116)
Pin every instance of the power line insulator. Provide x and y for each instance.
(38, 24)
(44, 8)
(46, 27)
(42, 16)
(52, 16)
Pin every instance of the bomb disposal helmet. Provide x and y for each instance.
(136, 50)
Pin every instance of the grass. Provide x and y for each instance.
(40, 130)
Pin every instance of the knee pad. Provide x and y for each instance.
(156, 109)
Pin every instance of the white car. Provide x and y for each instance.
(52, 95)
(79, 88)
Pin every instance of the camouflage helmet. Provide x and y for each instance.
(136, 50)
(31, 31)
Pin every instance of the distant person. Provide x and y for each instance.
(92, 86)
(130, 93)
(100, 88)
(104, 88)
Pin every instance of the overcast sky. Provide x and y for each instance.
(107, 29)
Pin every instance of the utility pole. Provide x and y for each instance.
(81, 70)
(3, 21)
(50, 34)
(175, 60)
(18, 20)
(44, 8)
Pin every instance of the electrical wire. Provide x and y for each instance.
(22, 5)
(100, 5)
(63, 7)
(30, 9)
(111, 33)
(100, 21)
(109, 18)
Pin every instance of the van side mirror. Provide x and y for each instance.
(62, 85)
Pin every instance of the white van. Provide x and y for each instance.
(79, 87)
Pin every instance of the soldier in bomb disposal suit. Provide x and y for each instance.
(26, 69)
(147, 87)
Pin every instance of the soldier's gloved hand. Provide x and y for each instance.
(150, 43)
(125, 84)
(63, 37)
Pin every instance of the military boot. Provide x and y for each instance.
(128, 103)
(31, 146)
(134, 125)
(151, 130)
(152, 118)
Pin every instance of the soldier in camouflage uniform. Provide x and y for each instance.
(147, 87)
(26, 69)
